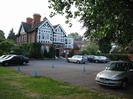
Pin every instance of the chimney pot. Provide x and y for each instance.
(29, 20)
(36, 18)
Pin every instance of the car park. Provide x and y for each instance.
(77, 59)
(116, 74)
(13, 60)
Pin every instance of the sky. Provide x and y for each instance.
(13, 12)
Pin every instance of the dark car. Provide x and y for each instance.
(14, 60)
(117, 73)
(101, 59)
(91, 58)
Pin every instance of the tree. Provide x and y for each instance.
(91, 47)
(2, 37)
(102, 18)
(104, 45)
(75, 36)
(35, 50)
(6, 46)
(11, 35)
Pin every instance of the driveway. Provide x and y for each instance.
(79, 74)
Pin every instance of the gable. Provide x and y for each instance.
(24, 28)
(45, 32)
(60, 30)
(46, 25)
(22, 31)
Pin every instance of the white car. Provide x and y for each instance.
(117, 73)
(101, 59)
(77, 59)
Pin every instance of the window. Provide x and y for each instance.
(42, 36)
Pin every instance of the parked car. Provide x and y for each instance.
(116, 74)
(77, 59)
(1, 57)
(101, 59)
(91, 58)
(13, 60)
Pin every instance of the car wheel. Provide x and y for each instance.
(124, 84)
(5, 64)
(68, 61)
(96, 61)
(78, 62)
(83, 62)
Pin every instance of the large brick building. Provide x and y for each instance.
(36, 31)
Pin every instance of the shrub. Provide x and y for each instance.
(115, 57)
(35, 50)
(51, 52)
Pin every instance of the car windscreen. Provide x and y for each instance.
(117, 67)
(2, 56)
(77, 56)
(7, 57)
(102, 57)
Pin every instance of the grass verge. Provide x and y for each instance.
(15, 85)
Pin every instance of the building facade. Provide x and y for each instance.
(37, 31)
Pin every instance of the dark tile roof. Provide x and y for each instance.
(56, 25)
(30, 27)
(35, 26)
(27, 27)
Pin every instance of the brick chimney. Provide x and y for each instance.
(29, 20)
(36, 18)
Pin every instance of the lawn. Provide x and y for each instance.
(14, 85)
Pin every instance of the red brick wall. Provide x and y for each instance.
(130, 56)
(31, 37)
(22, 39)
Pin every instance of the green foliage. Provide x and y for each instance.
(21, 49)
(104, 45)
(115, 57)
(102, 18)
(45, 54)
(52, 52)
(35, 50)
(75, 36)
(6, 46)
(2, 37)
(32, 50)
(11, 35)
(91, 47)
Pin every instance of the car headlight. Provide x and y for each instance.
(97, 76)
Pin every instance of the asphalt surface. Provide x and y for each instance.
(79, 74)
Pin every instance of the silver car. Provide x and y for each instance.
(117, 73)
(77, 59)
